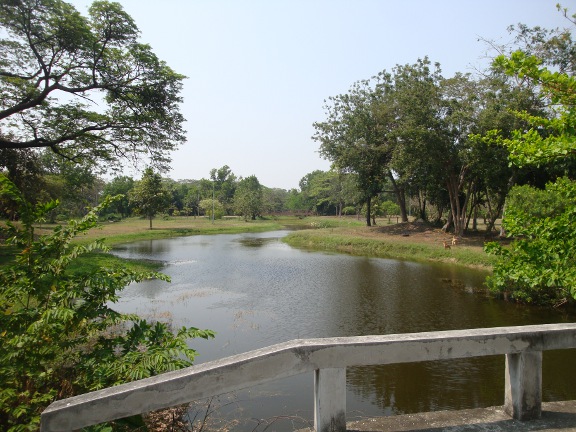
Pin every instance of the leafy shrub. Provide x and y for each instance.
(539, 266)
(58, 334)
(389, 208)
(206, 205)
(536, 203)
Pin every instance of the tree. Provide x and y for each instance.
(323, 191)
(121, 185)
(540, 265)
(296, 201)
(355, 135)
(493, 175)
(79, 186)
(84, 87)
(248, 198)
(23, 169)
(436, 154)
(419, 159)
(149, 195)
(212, 208)
(274, 200)
(224, 182)
(177, 192)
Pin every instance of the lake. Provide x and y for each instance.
(254, 291)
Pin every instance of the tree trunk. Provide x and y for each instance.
(400, 196)
(440, 210)
(473, 212)
(502, 230)
(368, 208)
(422, 205)
(448, 223)
(454, 185)
(150, 219)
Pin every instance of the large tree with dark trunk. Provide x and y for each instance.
(84, 86)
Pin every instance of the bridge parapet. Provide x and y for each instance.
(328, 358)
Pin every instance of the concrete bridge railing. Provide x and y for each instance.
(328, 359)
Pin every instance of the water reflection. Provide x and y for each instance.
(255, 291)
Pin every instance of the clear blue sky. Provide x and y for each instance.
(259, 70)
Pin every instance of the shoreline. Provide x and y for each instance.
(410, 241)
(403, 241)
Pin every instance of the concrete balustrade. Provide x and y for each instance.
(328, 359)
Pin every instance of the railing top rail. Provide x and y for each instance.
(295, 357)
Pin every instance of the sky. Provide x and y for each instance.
(259, 71)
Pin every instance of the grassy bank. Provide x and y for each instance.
(331, 234)
(363, 241)
(136, 229)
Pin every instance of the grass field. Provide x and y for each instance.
(366, 242)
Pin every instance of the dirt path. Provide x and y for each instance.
(415, 232)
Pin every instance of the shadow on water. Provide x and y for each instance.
(255, 291)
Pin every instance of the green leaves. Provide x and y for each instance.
(144, 350)
(59, 333)
(149, 195)
(55, 61)
(539, 266)
(248, 197)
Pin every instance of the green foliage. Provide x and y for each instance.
(207, 205)
(389, 208)
(84, 87)
(537, 203)
(149, 196)
(59, 335)
(538, 267)
(532, 146)
(248, 198)
(224, 182)
(121, 185)
(273, 200)
(349, 210)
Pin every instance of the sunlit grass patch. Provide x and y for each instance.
(354, 243)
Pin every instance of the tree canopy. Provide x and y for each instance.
(84, 86)
(540, 265)
(354, 136)
(248, 197)
(149, 195)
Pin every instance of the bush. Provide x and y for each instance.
(207, 205)
(59, 335)
(539, 266)
(389, 208)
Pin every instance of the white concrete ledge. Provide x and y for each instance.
(299, 356)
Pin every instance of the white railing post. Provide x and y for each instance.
(523, 385)
(330, 400)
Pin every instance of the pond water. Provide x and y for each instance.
(255, 291)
